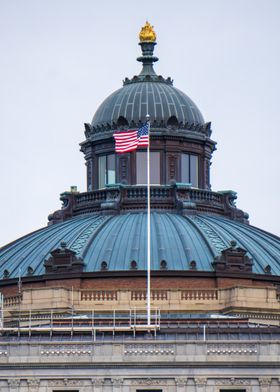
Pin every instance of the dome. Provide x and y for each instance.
(119, 240)
(160, 100)
(147, 93)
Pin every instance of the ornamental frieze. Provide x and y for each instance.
(14, 383)
(149, 349)
(232, 381)
(149, 381)
(67, 351)
(33, 384)
(200, 381)
(181, 382)
(264, 381)
(232, 349)
(98, 382)
(65, 382)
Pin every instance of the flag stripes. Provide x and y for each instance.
(130, 140)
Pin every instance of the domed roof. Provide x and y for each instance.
(147, 93)
(120, 239)
(158, 99)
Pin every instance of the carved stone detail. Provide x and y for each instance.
(233, 259)
(117, 382)
(149, 381)
(63, 259)
(97, 382)
(232, 349)
(200, 381)
(181, 382)
(172, 167)
(14, 383)
(232, 381)
(264, 381)
(149, 349)
(66, 351)
(33, 384)
(65, 382)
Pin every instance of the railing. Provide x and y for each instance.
(205, 195)
(91, 197)
(86, 321)
(141, 192)
(159, 193)
(197, 295)
(99, 295)
(156, 295)
(12, 300)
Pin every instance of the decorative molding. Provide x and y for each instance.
(97, 382)
(63, 259)
(67, 351)
(14, 383)
(117, 382)
(149, 349)
(232, 381)
(216, 241)
(65, 382)
(232, 349)
(200, 381)
(233, 259)
(149, 381)
(80, 242)
(33, 384)
(181, 382)
(265, 381)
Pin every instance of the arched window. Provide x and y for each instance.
(122, 122)
(173, 122)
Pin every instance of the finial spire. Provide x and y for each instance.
(147, 33)
(147, 42)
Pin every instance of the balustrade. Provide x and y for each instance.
(12, 300)
(198, 295)
(99, 295)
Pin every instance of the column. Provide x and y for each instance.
(181, 384)
(200, 383)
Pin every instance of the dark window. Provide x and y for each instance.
(189, 169)
(232, 390)
(141, 167)
(148, 390)
(106, 170)
(172, 121)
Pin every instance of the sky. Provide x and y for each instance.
(61, 58)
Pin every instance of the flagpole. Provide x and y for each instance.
(148, 229)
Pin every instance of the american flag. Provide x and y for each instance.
(130, 140)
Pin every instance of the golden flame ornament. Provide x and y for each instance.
(147, 33)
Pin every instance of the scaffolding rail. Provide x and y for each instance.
(77, 321)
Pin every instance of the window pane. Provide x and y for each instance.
(141, 168)
(185, 168)
(102, 171)
(154, 168)
(194, 170)
(111, 169)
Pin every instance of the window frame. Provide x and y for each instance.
(106, 170)
(190, 167)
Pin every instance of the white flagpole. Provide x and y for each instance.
(148, 229)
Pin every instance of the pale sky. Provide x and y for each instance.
(61, 58)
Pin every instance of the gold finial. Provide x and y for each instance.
(147, 33)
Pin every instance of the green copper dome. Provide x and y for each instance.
(147, 93)
(160, 100)
(119, 240)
